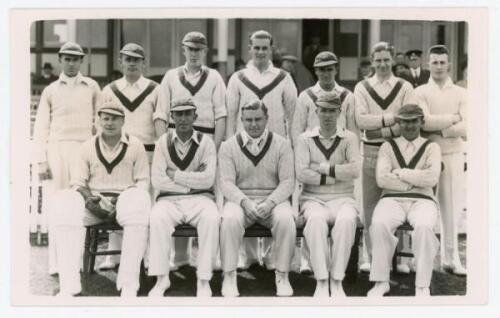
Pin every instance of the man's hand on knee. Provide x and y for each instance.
(265, 208)
(92, 204)
(250, 209)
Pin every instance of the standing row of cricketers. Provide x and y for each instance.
(155, 156)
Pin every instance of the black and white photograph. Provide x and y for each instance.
(303, 157)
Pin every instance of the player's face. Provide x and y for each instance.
(382, 62)
(325, 74)
(327, 117)
(410, 128)
(111, 125)
(288, 66)
(70, 64)
(184, 120)
(365, 70)
(131, 65)
(260, 51)
(194, 56)
(439, 66)
(254, 122)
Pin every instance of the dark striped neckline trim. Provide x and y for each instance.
(110, 165)
(314, 97)
(261, 92)
(327, 152)
(127, 103)
(416, 158)
(383, 102)
(193, 90)
(182, 164)
(255, 159)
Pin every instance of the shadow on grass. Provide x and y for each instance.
(259, 282)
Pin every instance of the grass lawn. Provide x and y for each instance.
(256, 281)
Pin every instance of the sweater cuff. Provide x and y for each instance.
(330, 180)
(388, 120)
(322, 180)
(386, 132)
(324, 167)
(332, 171)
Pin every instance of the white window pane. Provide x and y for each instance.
(55, 33)
(33, 34)
(33, 63)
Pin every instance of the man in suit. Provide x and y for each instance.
(418, 76)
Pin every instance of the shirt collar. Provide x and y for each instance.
(194, 137)
(317, 88)
(79, 78)
(314, 132)
(141, 83)
(392, 80)
(186, 70)
(123, 139)
(417, 142)
(270, 67)
(447, 84)
(246, 137)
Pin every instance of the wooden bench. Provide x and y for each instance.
(96, 232)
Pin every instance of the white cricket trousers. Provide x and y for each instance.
(450, 196)
(132, 213)
(342, 214)
(234, 223)
(60, 156)
(422, 214)
(371, 192)
(198, 211)
(115, 238)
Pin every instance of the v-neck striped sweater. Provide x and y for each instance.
(188, 179)
(344, 163)
(272, 177)
(127, 170)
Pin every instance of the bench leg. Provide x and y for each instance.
(351, 274)
(93, 249)
(86, 258)
(86, 252)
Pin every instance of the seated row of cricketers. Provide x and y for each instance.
(257, 179)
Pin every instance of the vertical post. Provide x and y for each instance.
(222, 45)
(71, 24)
(374, 32)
